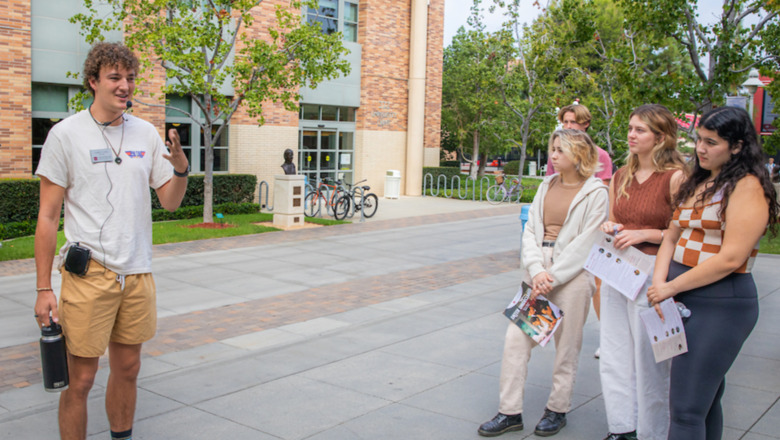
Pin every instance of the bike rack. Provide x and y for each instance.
(260, 196)
(482, 181)
(425, 182)
(362, 205)
(463, 196)
(439, 180)
(452, 186)
(428, 177)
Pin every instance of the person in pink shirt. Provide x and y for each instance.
(577, 117)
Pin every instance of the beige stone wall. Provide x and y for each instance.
(377, 152)
(259, 151)
(431, 158)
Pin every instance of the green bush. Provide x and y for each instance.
(19, 202)
(19, 229)
(450, 164)
(228, 188)
(437, 171)
(512, 167)
(186, 212)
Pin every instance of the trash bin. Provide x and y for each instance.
(393, 184)
(532, 168)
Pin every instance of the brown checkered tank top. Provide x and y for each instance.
(702, 234)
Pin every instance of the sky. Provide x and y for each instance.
(456, 12)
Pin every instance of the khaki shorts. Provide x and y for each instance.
(94, 309)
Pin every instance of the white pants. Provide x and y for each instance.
(573, 298)
(635, 387)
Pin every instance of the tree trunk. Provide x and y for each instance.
(208, 178)
(474, 155)
(482, 163)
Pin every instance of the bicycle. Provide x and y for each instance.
(331, 194)
(500, 193)
(356, 200)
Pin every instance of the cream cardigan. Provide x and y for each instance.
(588, 210)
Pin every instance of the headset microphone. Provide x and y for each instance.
(129, 104)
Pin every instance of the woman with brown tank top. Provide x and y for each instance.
(634, 386)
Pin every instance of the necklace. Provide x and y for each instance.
(105, 125)
(571, 185)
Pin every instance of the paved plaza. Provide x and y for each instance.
(387, 329)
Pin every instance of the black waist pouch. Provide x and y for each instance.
(77, 259)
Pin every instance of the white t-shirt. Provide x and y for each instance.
(107, 205)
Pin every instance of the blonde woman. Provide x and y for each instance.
(564, 218)
(635, 387)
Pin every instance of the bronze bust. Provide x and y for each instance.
(288, 166)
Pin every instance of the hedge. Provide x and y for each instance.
(197, 211)
(27, 227)
(19, 202)
(228, 188)
(512, 168)
(450, 163)
(437, 171)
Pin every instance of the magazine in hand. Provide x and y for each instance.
(538, 317)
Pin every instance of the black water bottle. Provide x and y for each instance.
(54, 358)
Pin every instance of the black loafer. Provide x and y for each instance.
(500, 424)
(551, 423)
(625, 436)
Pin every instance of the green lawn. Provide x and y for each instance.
(169, 232)
(770, 246)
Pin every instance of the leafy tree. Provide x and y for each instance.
(471, 103)
(720, 53)
(204, 45)
(527, 83)
(611, 68)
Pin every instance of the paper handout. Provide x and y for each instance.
(625, 270)
(668, 336)
(538, 317)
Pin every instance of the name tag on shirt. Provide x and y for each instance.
(100, 156)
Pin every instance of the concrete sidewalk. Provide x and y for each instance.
(388, 329)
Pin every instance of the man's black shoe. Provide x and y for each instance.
(625, 436)
(500, 424)
(551, 423)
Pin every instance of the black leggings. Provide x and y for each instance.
(722, 316)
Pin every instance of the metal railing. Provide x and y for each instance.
(262, 184)
(455, 182)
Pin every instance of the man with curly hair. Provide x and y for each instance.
(101, 163)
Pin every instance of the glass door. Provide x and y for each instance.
(325, 154)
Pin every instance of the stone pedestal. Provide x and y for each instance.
(288, 201)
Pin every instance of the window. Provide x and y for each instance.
(49, 106)
(336, 16)
(192, 140)
(326, 142)
(350, 21)
(313, 112)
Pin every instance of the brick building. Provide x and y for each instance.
(384, 115)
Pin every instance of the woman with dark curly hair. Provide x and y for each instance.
(722, 212)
